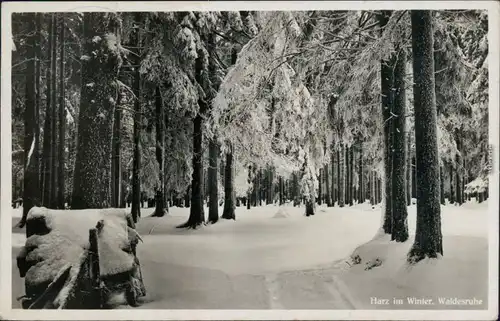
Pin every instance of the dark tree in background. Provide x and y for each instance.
(428, 237)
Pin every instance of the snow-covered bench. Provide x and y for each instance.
(73, 258)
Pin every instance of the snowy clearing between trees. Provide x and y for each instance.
(298, 262)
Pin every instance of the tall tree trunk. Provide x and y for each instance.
(351, 176)
(196, 211)
(328, 196)
(91, 188)
(458, 180)
(213, 206)
(229, 195)
(408, 169)
(413, 177)
(320, 190)
(47, 131)
(441, 183)
(249, 191)
(335, 179)
(116, 168)
(160, 201)
(62, 122)
(452, 190)
(31, 191)
(282, 191)
(361, 189)
(341, 175)
(136, 166)
(399, 211)
(428, 236)
(53, 152)
(371, 187)
(386, 72)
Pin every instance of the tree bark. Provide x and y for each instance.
(399, 210)
(386, 72)
(91, 188)
(428, 237)
(31, 190)
(413, 177)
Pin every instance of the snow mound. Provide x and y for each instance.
(379, 276)
(281, 213)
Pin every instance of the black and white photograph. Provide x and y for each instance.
(250, 156)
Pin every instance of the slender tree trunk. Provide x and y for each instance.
(47, 132)
(213, 206)
(408, 170)
(458, 180)
(399, 211)
(372, 188)
(428, 237)
(249, 191)
(341, 175)
(116, 168)
(282, 190)
(54, 131)
(62, 122)
(452, 191)
(160, 201)
(31, 191)
(328, 196)
(361, 195)
(386, 72)
(413, 177)
(335, 179)
(352, 192)
(92, 179)
(229, 195)
(136, 167)
(441, 183)
(320, 190)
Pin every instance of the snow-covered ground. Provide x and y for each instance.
(275, 257)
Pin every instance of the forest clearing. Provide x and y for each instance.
(251, 160)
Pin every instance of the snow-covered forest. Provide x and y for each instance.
(206, 124)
